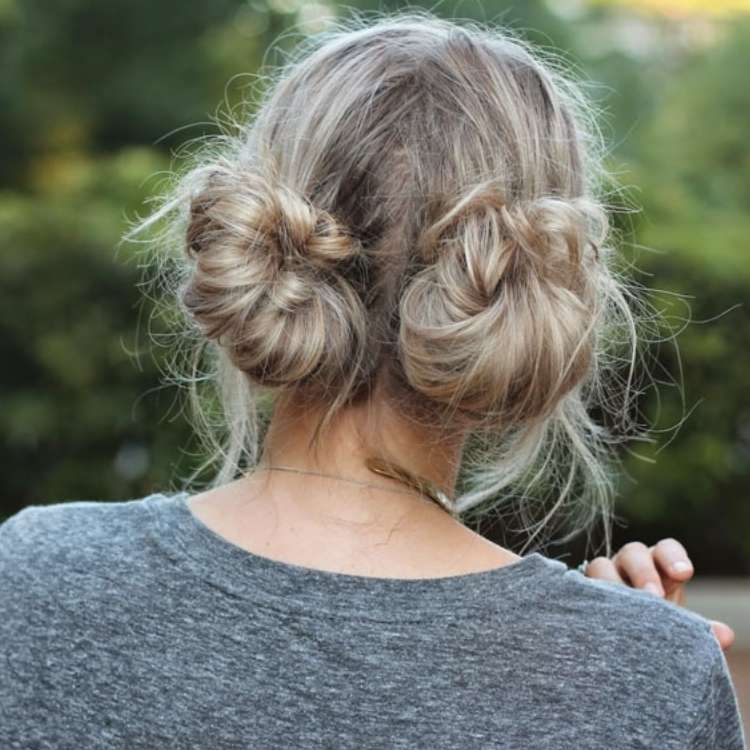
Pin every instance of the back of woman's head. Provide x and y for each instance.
(414, 208)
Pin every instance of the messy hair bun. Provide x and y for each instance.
(268, 281)
(499, 321)
(415, 209)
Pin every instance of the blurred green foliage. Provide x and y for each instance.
(96, 96)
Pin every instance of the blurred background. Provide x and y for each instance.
(96, 97)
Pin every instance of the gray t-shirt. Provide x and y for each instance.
(134, 625)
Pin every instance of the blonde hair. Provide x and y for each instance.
(417, 205)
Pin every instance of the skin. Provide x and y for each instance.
(384, 530)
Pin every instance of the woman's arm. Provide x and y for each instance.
(664, 569)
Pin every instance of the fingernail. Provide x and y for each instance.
(652, 588)
(681, 566)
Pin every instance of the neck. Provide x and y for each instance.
(336, 525)
(342, 451)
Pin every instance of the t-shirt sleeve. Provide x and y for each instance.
(718, 725)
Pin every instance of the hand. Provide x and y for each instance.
(663, 569)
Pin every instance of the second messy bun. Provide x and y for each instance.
(499, 322)
(268, 282)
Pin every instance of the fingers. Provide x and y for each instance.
(675, 568)
(636, 565)
(673, 560)
(724, 634)
(604, 569)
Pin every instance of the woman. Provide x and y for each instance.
(399, 275)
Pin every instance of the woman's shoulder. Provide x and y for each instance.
(626, 612)
(628, 643)
(58, 536)
(626, 625)
(65, 565)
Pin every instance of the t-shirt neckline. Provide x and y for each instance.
(317, 592)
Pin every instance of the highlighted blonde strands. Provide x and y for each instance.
(415, 207)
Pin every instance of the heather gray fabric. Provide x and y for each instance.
(133, 625)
